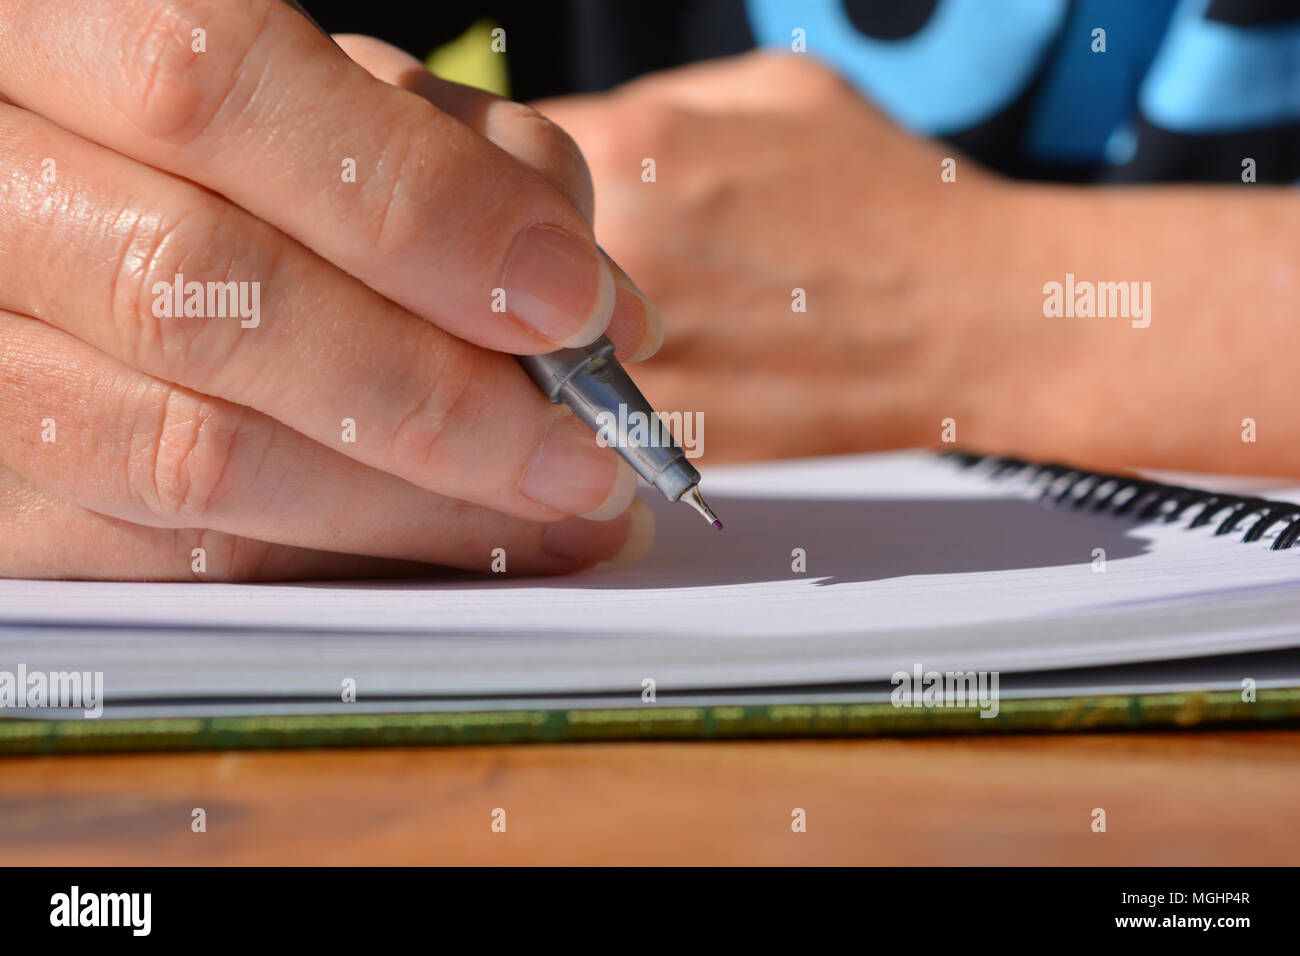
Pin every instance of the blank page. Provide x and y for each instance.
(909, 560)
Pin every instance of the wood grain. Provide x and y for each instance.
(1192, 798)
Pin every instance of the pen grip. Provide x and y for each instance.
(552, 370)
(592, 383)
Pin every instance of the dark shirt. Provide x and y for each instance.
(1172, 90)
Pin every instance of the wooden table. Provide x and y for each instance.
(1177, 798)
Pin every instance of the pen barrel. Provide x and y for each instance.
(601, 393)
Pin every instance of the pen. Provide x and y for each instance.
(592, 383)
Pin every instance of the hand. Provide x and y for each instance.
(344, 400)
(773, 175)
(925, 298)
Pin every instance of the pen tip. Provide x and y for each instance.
(693, 498)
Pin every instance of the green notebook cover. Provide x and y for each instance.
(1273, 707)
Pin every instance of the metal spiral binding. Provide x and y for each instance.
(1145, 499)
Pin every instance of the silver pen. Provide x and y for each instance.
(592, 383)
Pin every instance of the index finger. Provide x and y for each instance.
(249, 99)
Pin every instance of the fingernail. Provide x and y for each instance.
(572, 474)
(636, 326)
(640, 534)
(559, 285)
(619, 497)
(622, 540)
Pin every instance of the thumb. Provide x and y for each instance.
(635, 328)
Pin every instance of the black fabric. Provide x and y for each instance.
(562, 46)
(1246, 12)
(619, 41)
(889, 19)
(579, 46)
(1164, 156)
(416, 26)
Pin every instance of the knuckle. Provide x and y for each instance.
(661, 123)
(422, 433)
(185, 456)
(563, 160)
(807, 75)
(162, 259)
(171, 90)
(549, 137)
(652, 130)
(824, 82)
(425, 163)
(524, 116)
(603, 147)
(413, 169)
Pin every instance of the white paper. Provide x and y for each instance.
(910, 560)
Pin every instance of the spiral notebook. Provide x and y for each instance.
(833, 577)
